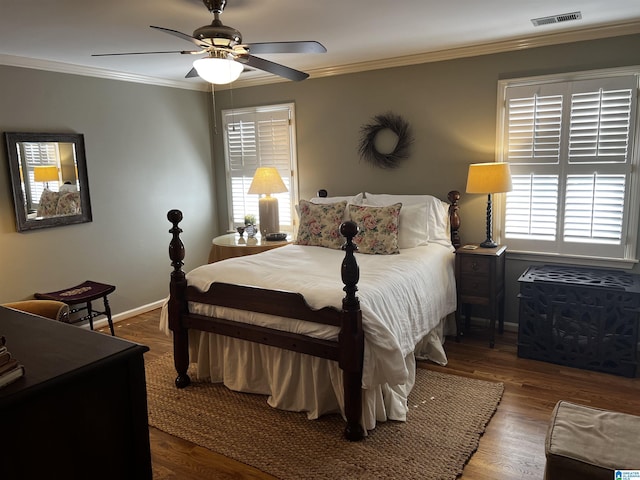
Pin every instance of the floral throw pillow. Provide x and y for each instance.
(69, 204)
(378, 228)
(48, 203)
(320, 224)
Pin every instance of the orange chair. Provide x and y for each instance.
(45, 308)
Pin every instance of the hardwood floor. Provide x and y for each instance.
(512, 446)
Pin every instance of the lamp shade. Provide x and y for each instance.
(492, 177)
(218, 70)
(267, 180)
(45, 173)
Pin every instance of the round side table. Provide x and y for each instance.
(233, 245)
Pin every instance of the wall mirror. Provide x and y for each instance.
(49, 179)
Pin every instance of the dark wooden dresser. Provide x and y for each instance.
(80, 411)
(580, 317)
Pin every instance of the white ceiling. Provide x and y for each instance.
(61, 35)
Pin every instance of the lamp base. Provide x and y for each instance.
(488, 243)
(269, 218)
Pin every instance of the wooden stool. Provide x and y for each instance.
(84, 293)
(590, 443)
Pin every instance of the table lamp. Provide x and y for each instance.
(45, 173)
(489, 178)
(266, 181)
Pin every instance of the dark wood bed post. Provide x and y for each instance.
(351, 337)
(454, 218)
(178, 302)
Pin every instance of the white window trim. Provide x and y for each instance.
(631, 242)
(293, 193)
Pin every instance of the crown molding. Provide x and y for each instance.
(520, 43)
(60, 67)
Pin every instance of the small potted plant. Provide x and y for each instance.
(250, 225)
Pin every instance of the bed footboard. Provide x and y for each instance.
(348, 350)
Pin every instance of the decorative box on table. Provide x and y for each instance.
(580, 317)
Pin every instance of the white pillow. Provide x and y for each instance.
(350, 199)
(438, 222)
(436, 218)
(413, 230)
(386, 198)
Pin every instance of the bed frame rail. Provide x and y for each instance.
(295, 342)
(271, 302)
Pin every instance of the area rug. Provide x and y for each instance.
(447, 416)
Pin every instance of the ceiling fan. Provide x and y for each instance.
(227, 55)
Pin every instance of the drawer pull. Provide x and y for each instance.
(474, 266)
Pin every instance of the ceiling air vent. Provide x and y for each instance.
(564, 17)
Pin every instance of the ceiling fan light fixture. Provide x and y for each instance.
(219, 71)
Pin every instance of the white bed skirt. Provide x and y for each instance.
(302, 383)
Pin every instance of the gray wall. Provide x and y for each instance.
(451, 106)
(148, 150)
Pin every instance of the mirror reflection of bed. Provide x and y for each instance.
(283, 324)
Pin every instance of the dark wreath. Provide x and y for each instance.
(397, 125)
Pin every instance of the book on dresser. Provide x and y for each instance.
(12, 375)
(10, 369)
(5, 356)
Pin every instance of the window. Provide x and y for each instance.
(35, 155)
(570, 142)
(259, 137)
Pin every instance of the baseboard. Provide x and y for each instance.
(510, 327)
(102, 322)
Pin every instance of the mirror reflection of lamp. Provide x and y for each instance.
(266, 181)
(45, 173)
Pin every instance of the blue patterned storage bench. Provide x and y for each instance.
(580, 317)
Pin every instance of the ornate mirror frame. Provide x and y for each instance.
(68, 202)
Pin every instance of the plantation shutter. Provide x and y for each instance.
(534, 128)
(532, 207)
(39, 154)
(569, 145)
(259, 137)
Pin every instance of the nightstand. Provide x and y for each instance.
(480, 281)
(233, 245)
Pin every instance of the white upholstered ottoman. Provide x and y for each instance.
(590, 443)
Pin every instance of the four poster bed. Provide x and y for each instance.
(278, 323)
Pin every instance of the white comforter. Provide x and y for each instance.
(403, 297)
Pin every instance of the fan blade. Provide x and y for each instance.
(144, 53)
(287, 47)
(272, 67)
(183, 36)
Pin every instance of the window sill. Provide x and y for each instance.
(601, 262)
